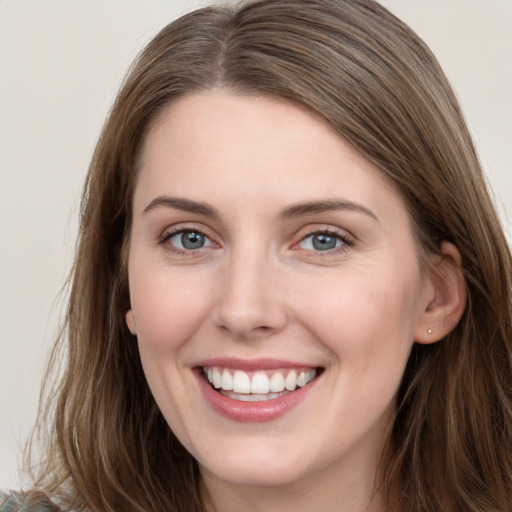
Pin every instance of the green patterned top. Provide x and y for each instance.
(28, 502)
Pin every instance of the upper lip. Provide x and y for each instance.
(252, 364)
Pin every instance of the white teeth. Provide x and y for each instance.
(260, 384)
(227, 380)
(277, 383)
(290, 383)
(217, 378)
(251, 397)
(241, 382)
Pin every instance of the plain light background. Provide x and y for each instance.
(61, 64)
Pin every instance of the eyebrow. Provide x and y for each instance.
(290, 212)
(312, 207)
(186, 205)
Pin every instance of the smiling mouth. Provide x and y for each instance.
(258, 385)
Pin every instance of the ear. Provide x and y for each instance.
(130, 322)
(447, 296)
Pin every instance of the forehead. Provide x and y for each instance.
(218, 143)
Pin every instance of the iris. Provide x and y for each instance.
(324, 242)
(192, 240)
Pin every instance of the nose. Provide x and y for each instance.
(250, 301)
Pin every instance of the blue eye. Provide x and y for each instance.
(188, 240)
(323, 241)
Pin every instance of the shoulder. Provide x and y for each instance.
(33, 501)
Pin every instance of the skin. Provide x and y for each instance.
(258, 288)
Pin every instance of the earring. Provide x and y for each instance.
(430, 331)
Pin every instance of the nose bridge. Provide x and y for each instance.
(249, 301)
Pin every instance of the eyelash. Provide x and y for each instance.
(346, 241)
(178, 231)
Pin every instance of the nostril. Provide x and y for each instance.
(263, 328)
(246, 333)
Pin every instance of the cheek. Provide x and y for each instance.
(367, 325)
(366, 318)
(168, 310)
(167, 307)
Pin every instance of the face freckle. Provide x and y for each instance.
(264, 247)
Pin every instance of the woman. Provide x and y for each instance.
(291, 289)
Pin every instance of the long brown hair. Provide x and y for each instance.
(375, 82)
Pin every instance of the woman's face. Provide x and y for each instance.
(269, 258)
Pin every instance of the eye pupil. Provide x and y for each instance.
(192, 240)
(324, 242)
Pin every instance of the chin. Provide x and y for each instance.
(255, 462)
(256, 474)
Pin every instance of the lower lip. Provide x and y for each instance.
(256, 412)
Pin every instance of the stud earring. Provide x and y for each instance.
(430, 331)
